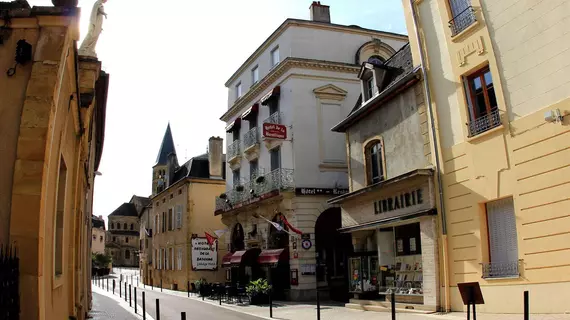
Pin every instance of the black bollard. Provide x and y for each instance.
(220, 295)
(182, 315)
(160, 285)
(126, 291)
(144, 307)
(526, 306)
(157, 310)
(120, 286)
(188, 289)
(113, 286)
(393, 305)
(270, 304)
(318, 306)
(107, 284)
(130, 296)
(135, 289)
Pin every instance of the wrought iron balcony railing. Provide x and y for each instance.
(500, 270)
(274, 118)
(485, 123)
(279, 179)
(233, 149)
(251, 138)
(463, 19)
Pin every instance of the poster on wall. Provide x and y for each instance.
(204, 256)
(413, 245)
(400, 245)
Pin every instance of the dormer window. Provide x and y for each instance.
(372, 74)
(370, 88)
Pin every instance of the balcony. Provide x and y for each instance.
(498, 270)
(251, 144)
(274, 118)
(464, 18)
(485, 123)
(262, 187)
(233, 154)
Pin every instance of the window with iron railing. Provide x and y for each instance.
(463, 15)
(482, 102)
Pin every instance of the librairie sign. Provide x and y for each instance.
(274, 131)
(204, 257)
(399, 201)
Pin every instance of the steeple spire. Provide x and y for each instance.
(166, 148)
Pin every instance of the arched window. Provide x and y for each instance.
(112, 225)
(376, 59)
(126, 239)
(125, 226)
(132, 226)
(118, 226)
(127, 254)
(238, 236)
(375, 162)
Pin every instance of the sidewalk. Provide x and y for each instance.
(107, 308)
(301, 311)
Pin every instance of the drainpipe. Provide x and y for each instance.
(437, 162)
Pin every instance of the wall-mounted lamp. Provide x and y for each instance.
(23, 56)
(97, 173)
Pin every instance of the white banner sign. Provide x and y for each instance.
(204, 257)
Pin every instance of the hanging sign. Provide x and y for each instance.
(274, 131)
(204, 256)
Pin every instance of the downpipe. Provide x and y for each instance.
(445, 245)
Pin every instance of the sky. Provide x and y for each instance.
(168, 62)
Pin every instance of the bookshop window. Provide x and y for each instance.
(401, 262)
(364, 273)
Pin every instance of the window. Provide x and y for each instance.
(275, 158)
(132, 226)
(112, 225)
(238, 90)
(163, 222)
(160, 254)
(273, 107)
(370, 88)
(100, 238)
(462, 14)
(171, 195)
(275, 57)
(170, 218)
(179, 191)
(235, 135)
(255, 75)
(165, 256)
(253, 167)
(157, 204)
(178, 216)
(236, 177)
(156, 224)
(114, 239)
(163, 200)
(126, 239)
(94, 237)
(375, 162)
(125, 226)
(503, 243)
(172, 265)
(127, 254)
(59, 218)
(179, 265)
(482, 102)
(118, 226)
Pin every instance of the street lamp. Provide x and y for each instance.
(97, 173)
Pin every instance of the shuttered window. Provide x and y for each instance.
(179, 265)
(503, 241)
(275, 158)
(178, 216)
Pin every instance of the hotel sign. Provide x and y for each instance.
(274, 131)
(319, 192)
(399, 201)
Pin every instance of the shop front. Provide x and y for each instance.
(393, 229)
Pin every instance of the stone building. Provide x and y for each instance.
(182, 206)
(390, 211)
(497, 76)
(123, 235)
(145, 243)
(52, 103)
(98, 234)
(284, 163)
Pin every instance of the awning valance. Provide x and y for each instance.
(274, 93)
(251, 113)
(245, 257)
(271, 256)
(386, 221)
(227, 259)
(234, 125)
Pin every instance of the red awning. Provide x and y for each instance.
(236, 257)
(235, 125)
(249, 113)
(273, 93)
(227, 259)
(271, 256)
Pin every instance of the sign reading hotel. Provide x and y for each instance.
(320, 191)
(204, 257)
(274, 131)
(399, 201)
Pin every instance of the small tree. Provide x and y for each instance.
(101, 260)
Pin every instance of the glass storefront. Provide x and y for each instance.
(364, 273)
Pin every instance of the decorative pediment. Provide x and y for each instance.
(330, 92)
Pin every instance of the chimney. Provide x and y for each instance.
(320, 12)
(215, 157)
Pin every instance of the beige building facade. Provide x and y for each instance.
(53, 105)
(498, 85)
(181, 215)
(123, 234)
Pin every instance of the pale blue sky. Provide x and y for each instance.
(169, 60)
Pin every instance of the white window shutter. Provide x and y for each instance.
(502, 231)
(178, 216)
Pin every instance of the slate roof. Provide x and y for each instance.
(126, 209)
(166, 148)
(97, 223)
(400, 69)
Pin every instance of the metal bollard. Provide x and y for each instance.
(135, 289)
(120, 286)
(526, 306)
(126, 291)
(130, 296)
(270, 304)
(113, 286)
(318, 306)
(220, 296)
(160, 285)
(393, 305)
(107, 284)
(182, 315)
(157, 310)
(188, 289)
(144, 307)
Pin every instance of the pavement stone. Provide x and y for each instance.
(107, 308)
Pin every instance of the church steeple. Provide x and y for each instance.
(166, 148)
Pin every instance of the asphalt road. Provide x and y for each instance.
(171, 307)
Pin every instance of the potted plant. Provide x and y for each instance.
(258, 291)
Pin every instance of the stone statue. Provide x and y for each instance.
(95, 27)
